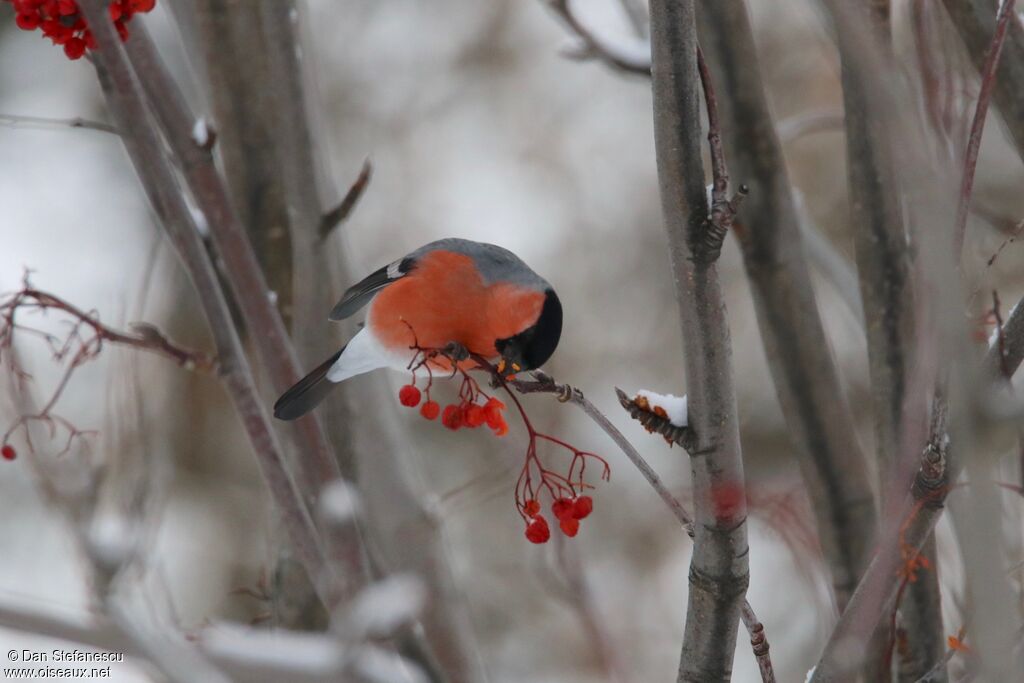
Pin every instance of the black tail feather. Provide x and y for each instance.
(307, 392)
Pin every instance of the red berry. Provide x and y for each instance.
(452, 417)
(569, 526)
(562, 508)
(537, 530)
(142, 5)
(582, 506)
(474, 415)
(8, 452)
(115, 11)
(27, 21)
(67, 7)
(532, 508)
(74, 48)
(430, 410)
(122, 30)
(409, 396)
(51, 27)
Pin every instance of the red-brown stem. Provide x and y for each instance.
(988, 72)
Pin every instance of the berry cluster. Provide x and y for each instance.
(476, 408)
(63, 23)
(568, 512)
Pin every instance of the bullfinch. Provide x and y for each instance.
(452, 293)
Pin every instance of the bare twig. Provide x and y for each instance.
(758, 642)
(83, 342)
(719, 571)
(144, 336)
(19, 121)
(988, 75)
(976, 22)
(595, 47)
(339, 214)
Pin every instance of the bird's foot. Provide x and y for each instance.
(455, 351)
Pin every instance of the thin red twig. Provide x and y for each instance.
(988, 79)
(82, 343)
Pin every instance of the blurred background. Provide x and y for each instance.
(477, 126)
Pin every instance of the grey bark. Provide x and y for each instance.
(884, 263)
(719, 568)
(799, 355)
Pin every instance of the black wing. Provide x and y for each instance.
(359, 294)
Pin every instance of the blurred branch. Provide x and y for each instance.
(830, 264)
(976, 22)
(884, 264)
(719, 571)
(806, 379)
(919, 513)
(246, 654)
(593, 47)
(339, 214)
(18, 121)
(988, 72)
(315, 464)
(127, 105)
(814, 121)
(76, 348)
(145, 336)
(232, 54)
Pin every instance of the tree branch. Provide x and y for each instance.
(315, 464)
(618, 58)
(799, 355)
(885, 265)
(132, 117)
(719, 568)
(988, 72)
(339, 214)
(976, 22)
(918, 514)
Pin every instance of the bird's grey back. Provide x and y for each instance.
(496, 264)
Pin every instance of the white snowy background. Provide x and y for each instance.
(478, 128)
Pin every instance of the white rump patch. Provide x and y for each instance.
(363, 354)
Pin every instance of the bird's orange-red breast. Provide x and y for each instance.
(478, 295)
(445, 299)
